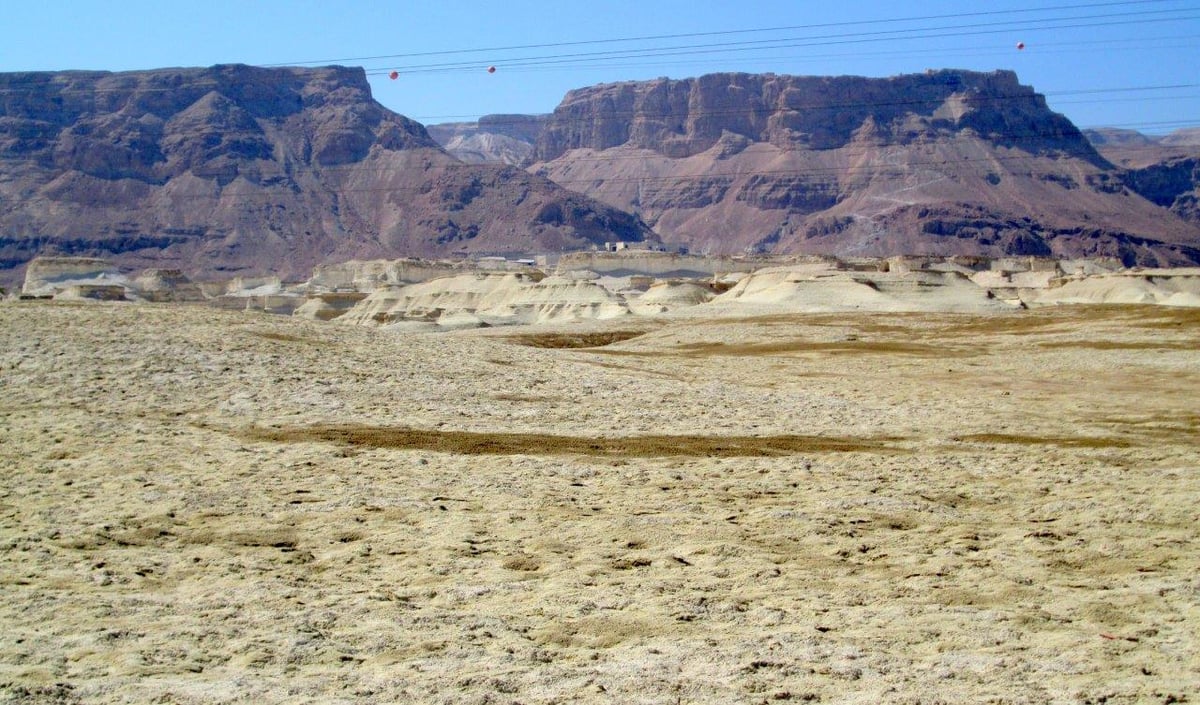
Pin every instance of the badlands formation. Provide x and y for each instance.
(413, 294)
(812, 482)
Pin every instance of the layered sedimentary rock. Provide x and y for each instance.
(488, 298)
(237, 169)
(946, 162)
(47, 276)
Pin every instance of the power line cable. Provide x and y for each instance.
(824, 25)
(974, 29)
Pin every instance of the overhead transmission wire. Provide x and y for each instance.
(821, 25)
(1043, 48)
(1044, 24)
(973, 29)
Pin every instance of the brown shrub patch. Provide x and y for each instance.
(1121, 344)
(1067, 441)
(477, 443)
(286, 338)
(836, 347)
(575, 340)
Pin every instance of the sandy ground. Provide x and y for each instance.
(199, 506)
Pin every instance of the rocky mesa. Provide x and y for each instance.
(236, 169)
(945, 162)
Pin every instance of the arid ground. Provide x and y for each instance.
(203, 506)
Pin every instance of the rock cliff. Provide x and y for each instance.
(238, 169)
(945, 162)
(1165, 169)
(683, 118)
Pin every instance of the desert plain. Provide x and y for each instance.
(209, 506)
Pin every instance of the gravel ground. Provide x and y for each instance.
(203, 506)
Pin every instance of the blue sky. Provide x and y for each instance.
(1128, 64)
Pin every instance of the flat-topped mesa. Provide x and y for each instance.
(155, 125)
(681, 118)
(241, 169)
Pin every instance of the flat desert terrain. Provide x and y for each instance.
(205, 506)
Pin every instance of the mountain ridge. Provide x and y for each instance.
(941, 163)
(240, 169)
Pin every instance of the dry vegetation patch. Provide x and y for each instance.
(1064, 441)
(837, 347)
(1121, 344)
(575, 340)
(287, 338)
(653, 446)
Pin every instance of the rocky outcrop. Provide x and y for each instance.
(366, 276)
(47, 276)
(940, 163)
(329, 305)
(163, 285)
(237, 169)
(487, 298)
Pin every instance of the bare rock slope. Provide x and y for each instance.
(506, 139)
(237, 169)
(1163, 168)
(946, 162)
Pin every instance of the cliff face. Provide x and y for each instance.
(243, 169)
(1163, 168)
(687, 117)
(945, 162)
(1173, 183)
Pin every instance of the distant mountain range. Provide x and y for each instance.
(945, 162)
(242, 170)
(1163, 168)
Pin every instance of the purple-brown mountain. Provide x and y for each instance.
(235, 169)
(1163, 168)
(945, 162)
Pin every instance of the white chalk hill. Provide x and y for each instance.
(487, 298)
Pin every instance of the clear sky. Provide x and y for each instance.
(1127, 64)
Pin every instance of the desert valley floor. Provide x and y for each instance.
(205, 506)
